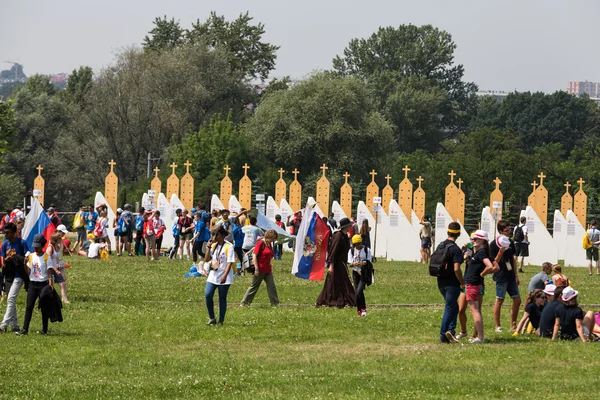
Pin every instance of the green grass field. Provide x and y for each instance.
(137, 330)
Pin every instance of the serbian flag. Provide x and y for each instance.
(37, 222)
(311, 247)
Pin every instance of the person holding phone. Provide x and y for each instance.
(221, 256)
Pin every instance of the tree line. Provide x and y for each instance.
(394, 98)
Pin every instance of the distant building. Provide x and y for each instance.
(496, 94)
(592, 89)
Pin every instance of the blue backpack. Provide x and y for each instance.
(121, 225)
(139, 223)
(175, 228)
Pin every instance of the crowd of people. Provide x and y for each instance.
(551, 309)
(223, 246)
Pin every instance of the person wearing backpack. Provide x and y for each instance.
(521, 239)
(140, 243)
(360, 259)
(591, 254)
(126, 229)
(79, 226)
(445, 265)
(176, 230)
(502, 250)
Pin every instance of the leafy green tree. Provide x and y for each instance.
(540, 118)
(166, 34)
(142, 104)
(324, 119)
(78, 85)
(250, 55)
(411, 62)
(209, 149)
(12, 190)
(8, 126)
(40, 84)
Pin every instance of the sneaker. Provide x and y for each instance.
(211, 321)
(43, 332)
(363, 313)
(130, 255)
(476, 340)
(461, 335)
(499, 329)
(451, 338)
(22, 332)
(359, 314)
(521, 271)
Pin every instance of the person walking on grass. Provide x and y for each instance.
(14, 277)
(54, 251)
(39, 277)
(450, 283)
(117, 231)
(338, 290)
(521, 239)
(360, 259)
(262, 255)
(502, 251)
(176, 230)
(591, 254)
(221, 256)
(426, 233)
(91, 217)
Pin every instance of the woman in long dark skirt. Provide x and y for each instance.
(338, 290)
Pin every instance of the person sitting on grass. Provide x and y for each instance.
(85, 246)
(540, 280)
(559, 279)
(547, 318)
(568, 318)
(95, 249)
(534, 305)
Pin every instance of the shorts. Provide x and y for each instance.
(592, 253)
(150, 241)
(59, 278)
(81, 235)
(473, 292)
(597, 318)
(125, 234)
(426, 242)
(510, 287)
(521, 249)
(186, 236)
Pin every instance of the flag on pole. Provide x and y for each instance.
(312, 240)
(37, 222)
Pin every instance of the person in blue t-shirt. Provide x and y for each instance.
(11, 247)
(201, 234)
(90, 219)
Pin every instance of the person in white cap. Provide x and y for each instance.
(569, 317)
(502, 250)
(479, 266)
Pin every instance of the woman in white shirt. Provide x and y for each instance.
(221, 256)
(38, 264)
(359, 257)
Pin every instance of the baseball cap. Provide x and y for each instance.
(62, 228)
